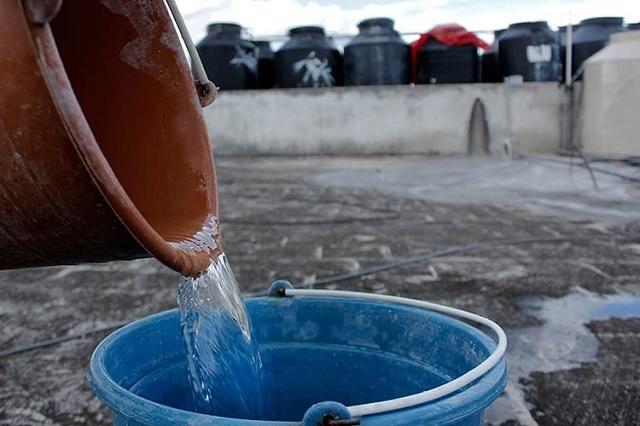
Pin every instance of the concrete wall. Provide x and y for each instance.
(387, 120)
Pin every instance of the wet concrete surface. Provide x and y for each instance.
(570, 306)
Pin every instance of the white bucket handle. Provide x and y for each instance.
(431, 394)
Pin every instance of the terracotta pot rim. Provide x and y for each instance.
(171, 254)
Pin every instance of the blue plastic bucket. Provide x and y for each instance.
(314, 349)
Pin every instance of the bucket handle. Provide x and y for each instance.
(283, 288)
(207, 91)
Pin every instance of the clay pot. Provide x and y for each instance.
(104, 153)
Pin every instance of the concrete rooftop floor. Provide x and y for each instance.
(570, 305)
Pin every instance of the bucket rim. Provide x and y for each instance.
(129, 404)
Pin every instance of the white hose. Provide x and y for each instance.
(432, 394)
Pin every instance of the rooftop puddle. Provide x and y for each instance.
(562, 342)
(627, 307)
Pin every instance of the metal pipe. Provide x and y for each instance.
(568, 79)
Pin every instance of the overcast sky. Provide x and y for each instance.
(273, 17)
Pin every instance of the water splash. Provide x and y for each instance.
(206, 239)
(223, 358)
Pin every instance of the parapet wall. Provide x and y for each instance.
(427, 119)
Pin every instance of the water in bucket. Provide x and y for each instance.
(217, 334)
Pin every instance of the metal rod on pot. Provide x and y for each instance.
(207, 90)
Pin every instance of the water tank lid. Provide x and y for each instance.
(563, 28)
(261, 43)
(530, 25)
(309, 30)
(224, 27)
(386, 23)
(604, 21)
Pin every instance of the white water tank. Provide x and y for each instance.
(611, 100)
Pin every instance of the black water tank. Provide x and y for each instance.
(439, 63)
(376, 56)
(266, 64)
(530, 50)
(489, 71)
(592, 35)
(230, 61)
(308, 59)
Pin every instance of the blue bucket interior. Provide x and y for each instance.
(313, 350)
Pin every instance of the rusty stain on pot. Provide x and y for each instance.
(138, 52)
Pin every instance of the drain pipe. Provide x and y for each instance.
(568, 55)
(569, 112)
